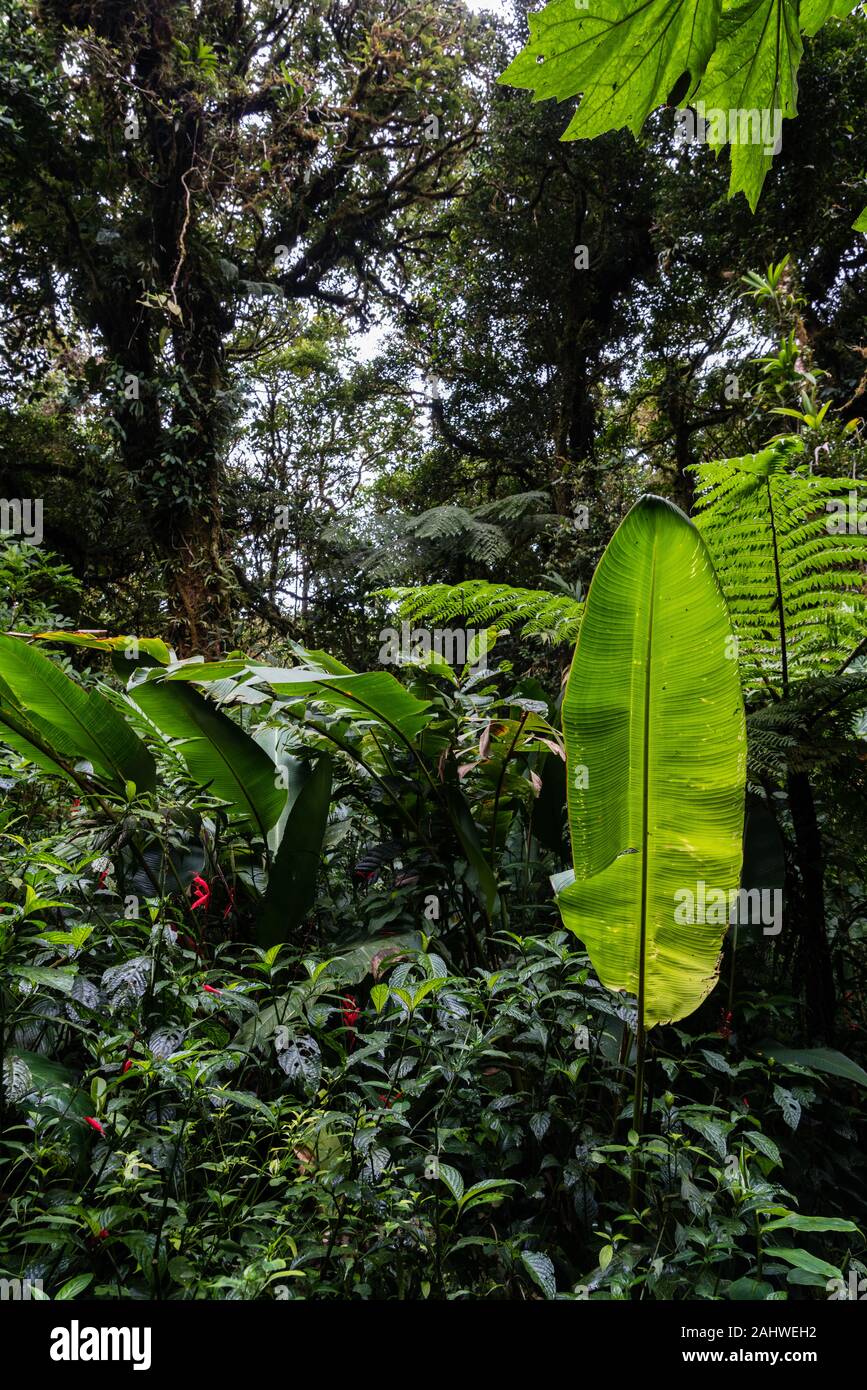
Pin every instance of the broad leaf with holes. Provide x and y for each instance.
(656, 750)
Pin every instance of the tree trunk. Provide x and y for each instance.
(814, 954)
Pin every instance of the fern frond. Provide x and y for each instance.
(769, 528)
(476, 602)
(816, 726)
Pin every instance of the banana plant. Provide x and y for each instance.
(52, 721)
(655, 734)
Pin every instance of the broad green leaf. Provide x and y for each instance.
(488, 1190)
(481, 647)
(655, 735)
(751, 86)
(452, 1179)
(48, 976)
(468, 835)
(764, 1145)
(292, 880)
(814, 13)
(379, 997)
(749, 1290)
(218, 753)
(541, 1271)
(861, 224)
(73, 1287)
(802, 1259)
(153, 647)
(793, 1221)
(824, 1059)
(425, 989)
(375, 695)
(27, 739)
(352, 965)
(72, 722)
(625, 58)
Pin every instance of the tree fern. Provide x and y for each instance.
(795, 588)
(816, 727)
(486, 535)
(477, 603)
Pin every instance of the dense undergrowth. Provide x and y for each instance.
(409, 1100)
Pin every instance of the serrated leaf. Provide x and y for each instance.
(753, 71)
(625, 59)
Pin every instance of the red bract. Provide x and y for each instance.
(351, 1014)
(203, 893)
(126, 1066)
(209, 989)
(94, 1124)
(100, 882)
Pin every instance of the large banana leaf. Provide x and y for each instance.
(374, 695)
(20, 733)
(217, 751)
(656, 750)
(53, 712)
(152, 647)
(292, 881)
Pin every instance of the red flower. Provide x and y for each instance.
(103, 875)
(209, 989)
(126, 1066)
(103, 1234)
(94, 1124)
(203, 892)
(725, 1025)
(351, 1014)
(746, 1102)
